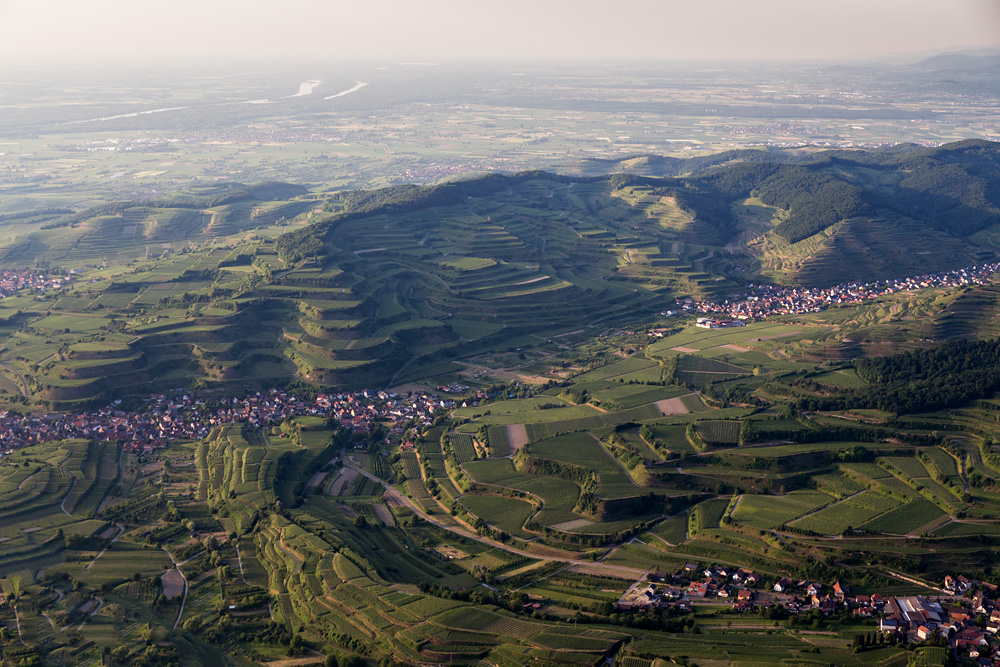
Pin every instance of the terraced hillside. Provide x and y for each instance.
(59, 495)
(393, 285)
(832, 216)
(120, 232)
(340, 569)
(321, 569)
(390, 295)
(429, 282)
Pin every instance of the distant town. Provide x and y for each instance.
(767, 300)
(15, 280)
(183, 417)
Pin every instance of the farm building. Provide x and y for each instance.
(713, 323)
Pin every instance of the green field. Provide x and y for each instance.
(719, 432)
(769, 512)
(507, 514)
(584, 450)
(848, 513)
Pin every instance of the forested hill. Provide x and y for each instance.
(952, 188)
(827, 217)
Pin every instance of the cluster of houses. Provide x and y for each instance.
(968, 619)
(183, 417)
(804, 595)
(723, 583)
(765, 300)
(967, 628)
(966, 615)
(726, 584)
(745, 589)
(14, 280)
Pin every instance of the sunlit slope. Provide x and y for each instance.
(433, 277)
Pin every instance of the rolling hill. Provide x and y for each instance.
(375, 287)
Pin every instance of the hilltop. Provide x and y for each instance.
(802, 219)
(821, 218)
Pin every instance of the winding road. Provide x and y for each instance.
(180, 612)
(22, 383)
(66, 497)
(393, 495)
(121, 531)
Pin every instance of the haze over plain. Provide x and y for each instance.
(120, 32)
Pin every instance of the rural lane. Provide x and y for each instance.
(592, 566)
(180, 612)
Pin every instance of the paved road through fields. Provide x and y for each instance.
(571, 559)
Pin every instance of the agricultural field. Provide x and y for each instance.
(848, 379)
(768, 512)
(507, 514)
(719, 431)
(700, 340)
(632, 396)
(465, 450)
(499, 439)
(585, 450)
(852, 511)
(905, 519)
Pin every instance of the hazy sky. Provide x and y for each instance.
(128, 31)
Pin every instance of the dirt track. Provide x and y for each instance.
(394, 497)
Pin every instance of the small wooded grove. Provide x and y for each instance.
(945, 376)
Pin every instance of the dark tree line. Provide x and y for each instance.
(945, 376)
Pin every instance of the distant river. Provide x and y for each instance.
(358, 86)
(127, 115)
(306, 87)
